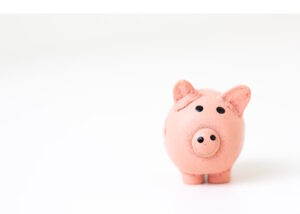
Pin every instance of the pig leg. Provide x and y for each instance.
(192, 179)
(219, 178)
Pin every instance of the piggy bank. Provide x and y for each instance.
(204, 132)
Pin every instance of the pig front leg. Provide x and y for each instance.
(219, 178)
(192, 179)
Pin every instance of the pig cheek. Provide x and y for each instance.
(231, 132)
(180, 129)
(189, 125)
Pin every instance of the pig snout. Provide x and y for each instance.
(206, 142)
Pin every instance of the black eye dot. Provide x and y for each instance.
(199, 108)
(200, 139)
(213, 137)
(220, 110)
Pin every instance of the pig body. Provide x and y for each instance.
(204, 131)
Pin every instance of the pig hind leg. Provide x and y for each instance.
(219, 178)
(192, 179)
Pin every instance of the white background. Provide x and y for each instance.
(83, 100)
(153, 6)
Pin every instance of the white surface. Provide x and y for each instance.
(84, 98)
(154, 7)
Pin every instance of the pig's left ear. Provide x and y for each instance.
(238, 97)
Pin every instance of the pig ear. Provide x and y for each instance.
(182, 89)
(238, 98)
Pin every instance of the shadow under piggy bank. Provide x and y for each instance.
(262, 170)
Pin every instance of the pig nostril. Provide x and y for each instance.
(200, 139)
(213, 137)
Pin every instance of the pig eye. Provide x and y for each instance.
(220, 110)
(199, 108)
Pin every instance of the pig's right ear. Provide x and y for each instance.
(183, 89)
(184, 93)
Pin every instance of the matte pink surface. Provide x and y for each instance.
(184, 125)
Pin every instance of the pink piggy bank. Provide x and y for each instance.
(204, 132)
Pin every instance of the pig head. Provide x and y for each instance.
(204, 130)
